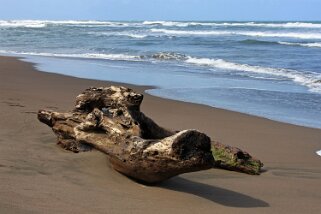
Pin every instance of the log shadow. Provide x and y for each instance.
(215, 194)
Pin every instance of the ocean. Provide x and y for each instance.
(268, 69)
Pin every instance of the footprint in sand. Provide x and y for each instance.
(29, 112)
(51, 107)
(297, 173)
(13, 104)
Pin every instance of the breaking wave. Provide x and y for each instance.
(235, 24)
(189, 33)
(23, 23)
(94, 23)
(167, 23)
(310, 45)
(123, 57)
(308, 79)
(45, 23)
(242, 33)
(279, 34)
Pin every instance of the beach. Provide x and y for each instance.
(37, 176)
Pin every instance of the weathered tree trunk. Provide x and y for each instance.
(109, 120)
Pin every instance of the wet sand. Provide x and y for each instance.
(36, 176)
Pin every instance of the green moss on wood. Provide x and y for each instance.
(232, 158)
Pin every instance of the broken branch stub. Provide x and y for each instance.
(234, 159)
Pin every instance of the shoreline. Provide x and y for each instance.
(152, 87)
(34, 170)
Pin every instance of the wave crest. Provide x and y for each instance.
(188, 33)
(94, 23)
(124, 57)
(167, 23)
(310, 45)
(22, 23)
(45, 23)
(235, 24)
(242, 33)
(308, 79)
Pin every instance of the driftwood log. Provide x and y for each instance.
(109, 120)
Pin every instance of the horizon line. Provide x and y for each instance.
(155, 20)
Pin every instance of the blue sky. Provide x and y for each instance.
(238, 10)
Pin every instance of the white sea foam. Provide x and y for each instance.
(94, 23)
(133, 35)
(318, 152)
(280, 34)
(310, 45)
(243, 33)
(90, 23)
(167, 32)
(236, 24)
(270, 25)
(188, 33)
(308, 79)
(78, 22)
(167, 23)
(293, 25)
(22, 23)
(44, 23)
(82, 55)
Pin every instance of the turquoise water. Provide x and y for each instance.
(269, 69)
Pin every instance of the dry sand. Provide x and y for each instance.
(36, 176)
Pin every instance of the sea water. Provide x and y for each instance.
(268, 69)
